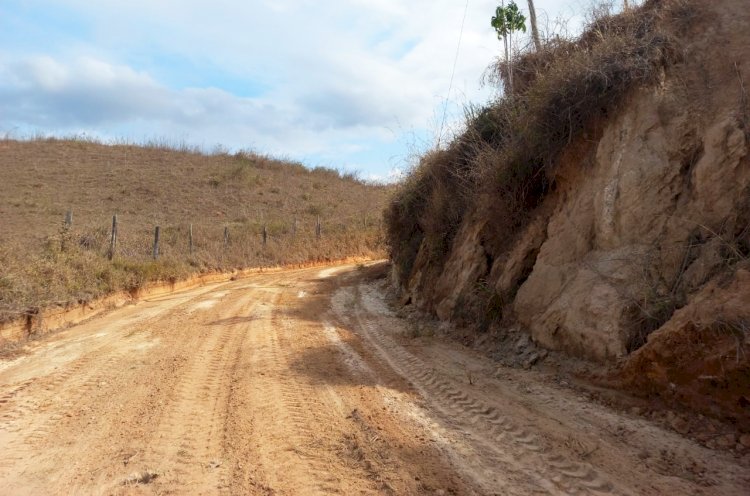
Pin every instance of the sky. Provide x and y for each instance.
(358, 85)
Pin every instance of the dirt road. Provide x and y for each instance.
(303, 382)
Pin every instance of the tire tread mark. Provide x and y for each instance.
(572, 478)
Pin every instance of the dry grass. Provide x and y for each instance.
(157, 185)
(503, 164)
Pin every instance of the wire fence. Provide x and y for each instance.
(217, 242)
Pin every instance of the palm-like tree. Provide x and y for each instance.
(501, 26)
(506, 21)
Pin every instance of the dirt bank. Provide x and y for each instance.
(628, 246)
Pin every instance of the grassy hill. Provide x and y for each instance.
(44, 262)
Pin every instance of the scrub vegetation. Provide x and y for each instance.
(44, 262)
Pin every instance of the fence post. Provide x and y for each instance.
(157, 232)
(65, 233)
(317, 228)
(226, 237)
(294, 227)
(265, 235)
(113, 239)
(190, 238)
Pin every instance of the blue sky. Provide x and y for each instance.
(352, 84)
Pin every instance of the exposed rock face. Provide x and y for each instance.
(623, 229)
(467, 266)
(646, 214)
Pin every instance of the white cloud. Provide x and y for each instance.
(394, 175)
(326, 79)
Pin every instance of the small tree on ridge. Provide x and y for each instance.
(506, 21)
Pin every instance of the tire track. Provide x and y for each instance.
(302, 404)
(553, 473)
(270, 406)
(298, 423)
(187, 451)
(265, 395)
(33, 396)
(343, 428)
(34, 417)
(37, 414)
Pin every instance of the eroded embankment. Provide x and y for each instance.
(628, 241)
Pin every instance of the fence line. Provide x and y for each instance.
(289, 231)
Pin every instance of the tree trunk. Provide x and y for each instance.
(507, 53)
(510, 59)
(534, 30)
(625, 4)
(507, 60)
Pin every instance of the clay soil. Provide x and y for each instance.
(306, 382)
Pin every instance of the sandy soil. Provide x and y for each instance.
(304, 382)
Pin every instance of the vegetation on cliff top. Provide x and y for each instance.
(502, 163)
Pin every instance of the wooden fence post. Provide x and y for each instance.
(157, 232)
(226, 237)
(265, 235)
(190, 238)
(65, 233)
(317, 228)
(113, 239)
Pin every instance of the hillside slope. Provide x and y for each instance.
(603, 207)
(43, 262)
